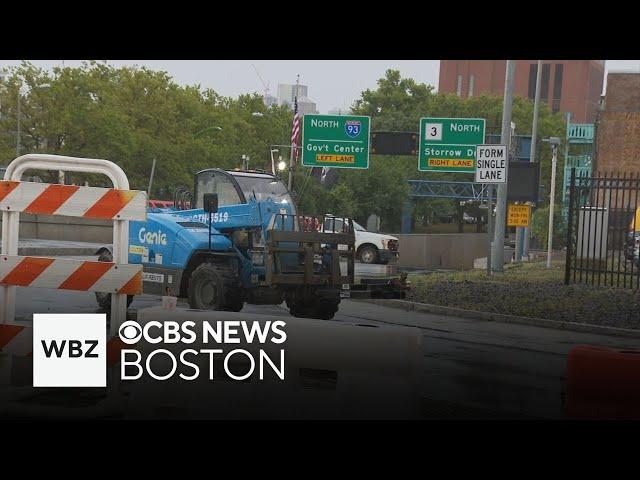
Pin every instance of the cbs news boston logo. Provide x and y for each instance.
(69, 350)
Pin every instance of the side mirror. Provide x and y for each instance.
(210, 202)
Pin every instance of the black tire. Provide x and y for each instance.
(325, 310)
(306, 306)
(369, 254)
(103, 298)
(234, 300)
(206, 288)
(211, 288)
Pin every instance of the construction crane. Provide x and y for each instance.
(264, 84)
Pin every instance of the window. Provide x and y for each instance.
(533, 74)
(459, 86)
(263, 187)
(216, 182)
(358, 227)
(471, 84)
(544, 87)
(557, 88)
(332, 225)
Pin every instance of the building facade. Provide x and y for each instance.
(567, 86)
(618, 126)
(287, 94)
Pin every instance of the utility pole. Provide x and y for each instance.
(534, 143)
(153, 171)
(555, 142)
(293, 143)
(497, 257)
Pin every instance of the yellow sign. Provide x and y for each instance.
(335, 158)
(518, 215)
(137, 250)
(449, 162)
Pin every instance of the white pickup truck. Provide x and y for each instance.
(370, 247)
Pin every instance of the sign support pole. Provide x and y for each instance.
(489, 226)
(554, 161)
(501, 202)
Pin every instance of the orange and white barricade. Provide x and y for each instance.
(118, 204)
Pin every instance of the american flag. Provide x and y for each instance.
(295, 130)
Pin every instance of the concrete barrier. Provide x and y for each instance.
(450, 251)
(52, 227)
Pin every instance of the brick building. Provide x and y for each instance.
(571, 86)
(618, 126)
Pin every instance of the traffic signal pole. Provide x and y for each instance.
(497, 257)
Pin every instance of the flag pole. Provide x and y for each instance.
(293, 142)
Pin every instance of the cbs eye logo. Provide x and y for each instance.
(130, 332)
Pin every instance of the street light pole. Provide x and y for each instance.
(273, 163)
(497, 257)
(554, 141)
(215, 127)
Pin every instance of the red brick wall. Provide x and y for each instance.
(581, 82)
(618, 131)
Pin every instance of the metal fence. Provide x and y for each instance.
(603, 231)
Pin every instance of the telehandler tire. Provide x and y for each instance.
(325, 310)
(210, 288)
(309, 306)
(206, 288)
(234, 300)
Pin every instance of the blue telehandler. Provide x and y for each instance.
(241, 240)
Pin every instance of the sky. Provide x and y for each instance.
(332, 83)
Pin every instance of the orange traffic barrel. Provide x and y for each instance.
(603, 383)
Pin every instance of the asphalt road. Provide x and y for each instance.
(470, 369)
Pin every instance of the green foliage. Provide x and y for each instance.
(131, 115)
(397, 105)
(540, 226)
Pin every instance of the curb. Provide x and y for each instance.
(499, 317)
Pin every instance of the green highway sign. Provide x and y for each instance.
(336, 141)
(449, 144)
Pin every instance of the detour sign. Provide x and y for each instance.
(518, 215)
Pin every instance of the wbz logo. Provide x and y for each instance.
(74, 348)
(69, 350)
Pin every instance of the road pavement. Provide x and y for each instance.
(470, 369)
